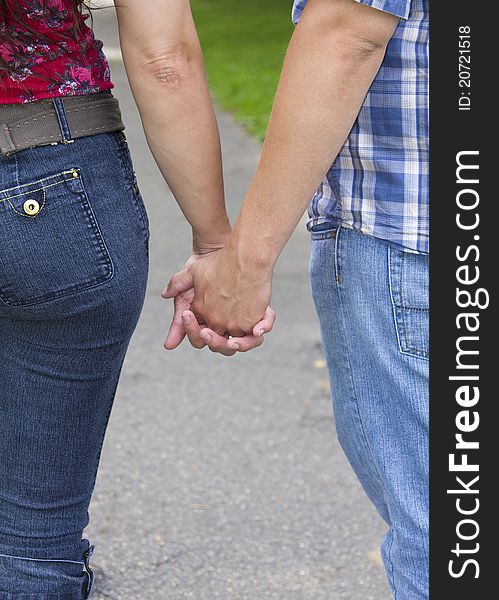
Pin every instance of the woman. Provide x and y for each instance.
(74, 256)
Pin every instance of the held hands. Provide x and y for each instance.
(214, 298)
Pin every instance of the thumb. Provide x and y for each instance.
(180, 282)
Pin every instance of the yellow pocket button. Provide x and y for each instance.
(31, 207)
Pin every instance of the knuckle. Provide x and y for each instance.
(217, 325)
(231, 326)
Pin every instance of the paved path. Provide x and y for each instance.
(222, 478)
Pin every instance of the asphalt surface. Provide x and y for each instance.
(222, 477)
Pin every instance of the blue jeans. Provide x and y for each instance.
(73, 271)
(372, 302)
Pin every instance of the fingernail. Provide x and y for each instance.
(261, 332)
(186, 318)
(206, 337)
(234, 346)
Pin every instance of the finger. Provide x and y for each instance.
(179, 283)
(192, 329)
(177, 331)
(246, 343)
(216, 342)
(266, 324)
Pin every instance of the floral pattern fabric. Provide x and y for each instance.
(46, 59)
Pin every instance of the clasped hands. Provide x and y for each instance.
(220, 302)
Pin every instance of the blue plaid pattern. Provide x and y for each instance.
(379, 182)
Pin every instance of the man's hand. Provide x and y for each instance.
(183, 287)
(230, 295)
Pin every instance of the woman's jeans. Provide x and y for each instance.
(372, 302)
(73, 271)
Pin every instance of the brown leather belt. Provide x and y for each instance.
(57, 120)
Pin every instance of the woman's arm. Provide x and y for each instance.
(164, 64)
(165, 68)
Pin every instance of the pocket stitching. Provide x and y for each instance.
(44, 187)
(408, 348)
(400, 308)
(8, 200)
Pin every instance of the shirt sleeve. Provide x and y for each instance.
(399, 8)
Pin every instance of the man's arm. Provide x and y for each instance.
(164, 64)
(333, 58)
(334, 55)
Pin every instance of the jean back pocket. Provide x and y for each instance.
(50, 242)
(409, 282)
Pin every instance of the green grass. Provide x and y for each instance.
(244, 42)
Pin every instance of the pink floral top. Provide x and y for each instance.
(46, 58)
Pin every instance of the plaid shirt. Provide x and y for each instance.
(379, 182)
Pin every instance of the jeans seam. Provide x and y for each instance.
(392, 299)
(141, 209)
(392, 570)
(106, 422)
(337, 262)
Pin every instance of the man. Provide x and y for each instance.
(355, 70)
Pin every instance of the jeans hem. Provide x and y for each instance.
(44, 560)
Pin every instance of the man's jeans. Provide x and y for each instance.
(73, 271)
(372, 302)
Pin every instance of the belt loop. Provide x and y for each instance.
(63, 121)
(7, 145)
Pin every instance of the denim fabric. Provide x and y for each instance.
(72, 285)
(372, 301)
